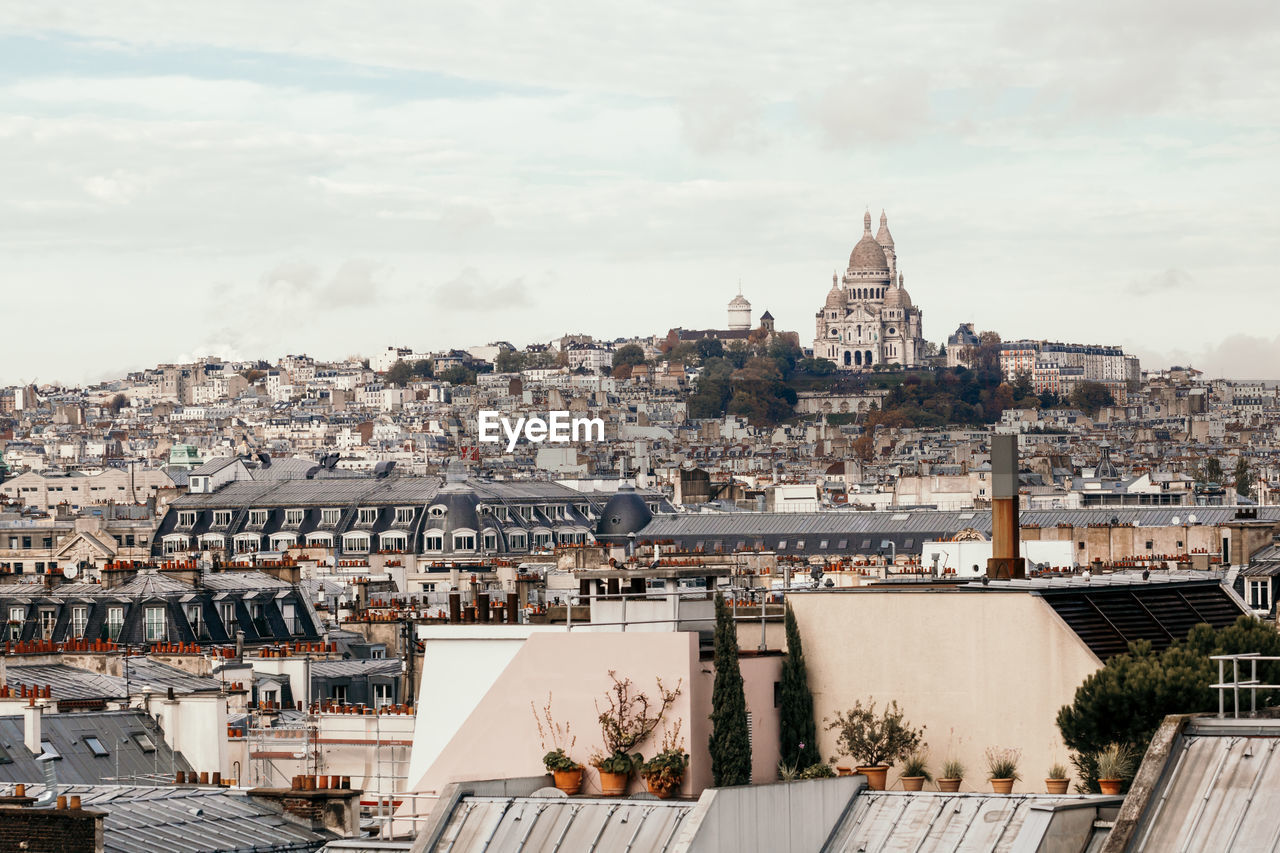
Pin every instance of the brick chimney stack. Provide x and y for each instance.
(1006, 563)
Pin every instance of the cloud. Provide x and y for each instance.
(1237, 356)
(300, 283)
(1167, 282)
(469, 291)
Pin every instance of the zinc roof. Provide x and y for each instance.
(118, 731)
(179, 819)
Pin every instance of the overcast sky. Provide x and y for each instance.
(251, 179)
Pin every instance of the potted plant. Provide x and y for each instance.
(664, 773)
(557, 740)
(1115, 764)
(1058, 779)
(821, 770)
(1002, 769)
(874, 740)
(627, 720)
(915, 771)
(952, 776)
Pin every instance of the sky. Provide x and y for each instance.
(247, 180)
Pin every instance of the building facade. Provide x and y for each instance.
(868, 318)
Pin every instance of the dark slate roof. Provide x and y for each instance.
(145, 672)
(183, 819)
(117, 730)
(355, 668)
(1110, 616)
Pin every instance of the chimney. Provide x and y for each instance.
(32, 731)
(1005, 562)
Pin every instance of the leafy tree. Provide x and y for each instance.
(457, 375)
(816, 367)
(399, 374)
(799, 734)
(873, 739)
(759, 393)
(1089, 397)
(730, 742)
(709, 348)
(509, 361)
(628, 355)
(117, 403)
(423, 369)
(1243, 477)
(1126, 700)
(1210, 470)
(712, 389)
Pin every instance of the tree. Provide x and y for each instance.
(629, 355)
(730, 742)
(799, 733)
(117, 403)
(1243, 477)
(709, 348)
(874, 739)
(457, 375)
(423, 368)
(399, 374)
(1210, 470)
(1126, 700)
(1089, 397)
(508, 361)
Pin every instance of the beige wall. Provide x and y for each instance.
(977, 669)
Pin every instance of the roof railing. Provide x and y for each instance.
(1235, 685)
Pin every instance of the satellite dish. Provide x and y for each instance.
(70, 572)
(1176, 520)
(1191, 519)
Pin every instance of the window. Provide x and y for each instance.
(404, 514)
(47, 750)
(229, 621)
(155, 625)
(96, 747)
(490, 541)
(186, 518)
(294, 516)
(258, 516)
(377, 653)
(330, 516)
(48, 619)
(368, 515)
(433, 542)
(1260, 594)
(356, 544)
(115, 622)
(195, 620)
(221, 517)
(338, 692)
(464, 541)
(436, 511)
(1079, 546)
(17, 615)
(79, 618)
(782, 544)
(289, 611)
(144, 742)
(381, 695)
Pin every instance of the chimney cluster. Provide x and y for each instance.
(484, 611)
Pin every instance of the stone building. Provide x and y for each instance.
(868, 318)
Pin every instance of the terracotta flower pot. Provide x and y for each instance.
(1056, 786)
(659, 790)
(841, 770)
(876, 775)
(913, 783)
(949, 786)
(1110, 786)
(613, 784)
(1002, 786)
(569, 781)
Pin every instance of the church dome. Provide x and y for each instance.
(835, 298)
(868, 254)
(897, 297)
(739, 301)
(883, 237)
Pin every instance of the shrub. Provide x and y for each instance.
(917, 764)
(952, 769)
(874, 739)
(821, 770)
(1115, 761)
(1058, 771)
(1003, 763)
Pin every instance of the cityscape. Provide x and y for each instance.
(608, 548)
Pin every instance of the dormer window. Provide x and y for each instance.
(368, 515)
(436, 511)
(404, 514)
(294, 516)
(221, 517)
(464, 541)
(330, 516)
(186, 518)
(258, 516)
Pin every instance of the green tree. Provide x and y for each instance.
(1243, 477)
(1089, 397)
(629, 355)
(399, 374)
(799, 733)
(457, 375)
(1126, 700)
(509, 361)
(730, 742)
(709, 348)
(423, 368)
(1210, 470)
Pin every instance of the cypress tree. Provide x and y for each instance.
(799, 733)
(730, 743)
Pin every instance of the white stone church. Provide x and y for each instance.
(868, 318)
